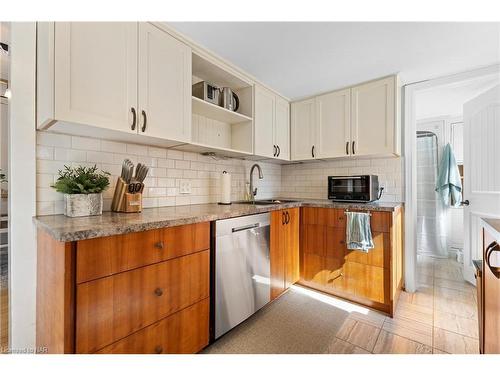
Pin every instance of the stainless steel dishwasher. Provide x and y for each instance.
(242, 269)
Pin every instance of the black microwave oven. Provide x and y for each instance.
(353, 188)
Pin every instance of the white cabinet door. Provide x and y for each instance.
(164, 85)
(264, 122)
(333, 117)
(303, 129)
(373, 117)
(95, 73)
(282, 128)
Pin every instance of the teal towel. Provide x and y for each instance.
(358, 231)
(448, 183)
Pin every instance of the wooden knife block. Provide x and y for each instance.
(125, 202)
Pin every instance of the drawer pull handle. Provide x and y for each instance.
(159, 245)
(159, 349)
(159, 292)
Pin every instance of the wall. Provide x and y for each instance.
(22, 250)
(309, 180)
(167, 169)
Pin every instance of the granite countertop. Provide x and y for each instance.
(494, 226)
(66, 229)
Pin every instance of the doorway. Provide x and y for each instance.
(435, 231)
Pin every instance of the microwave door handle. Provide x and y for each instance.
(343, 178)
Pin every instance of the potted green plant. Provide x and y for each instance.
(82, 188)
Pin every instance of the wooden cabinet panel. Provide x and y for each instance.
(105, 256)
(380, 256)
(292, 274)
(113, 307)
(95, 73)
(277, 253)
(491, 301)
(184, 332)
(313, 239)
(335, 243)
(312, 269)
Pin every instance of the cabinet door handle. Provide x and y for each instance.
(275, 150)
(353, 149)
(159, 245)
(282, 217)
(158, 349)
(494, 246)
(312, 151)
(347, 148)
(279, 151)
(159, 292)
(287, 218)
(134, 118)
(145, 121)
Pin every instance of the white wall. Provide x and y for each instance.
(167, 169)
(22, 252)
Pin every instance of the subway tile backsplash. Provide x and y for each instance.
(169, 167)
(309, 180)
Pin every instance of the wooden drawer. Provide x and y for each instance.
(110, 308)
(184, 332)
(380, 256)
(366, 281)
(106, 256)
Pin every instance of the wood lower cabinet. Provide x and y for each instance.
(284, 250)
(125, 294)
(373, 279)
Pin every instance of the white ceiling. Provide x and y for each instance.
(299, 59)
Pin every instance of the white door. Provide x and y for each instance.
(303, 128)
(96, 73)
(481, 170)
(373, 117)
(264, 122)
(333, 124)
(164, 85)
(282, 128)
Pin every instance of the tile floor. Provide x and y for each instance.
(440, 318)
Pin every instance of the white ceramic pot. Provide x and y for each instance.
(76, 205)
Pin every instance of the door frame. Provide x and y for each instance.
(410, 152)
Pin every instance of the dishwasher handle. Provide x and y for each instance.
(245, 227)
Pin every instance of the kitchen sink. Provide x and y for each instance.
(263, 202)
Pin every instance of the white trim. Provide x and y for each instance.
(22, 183)
(410, 147)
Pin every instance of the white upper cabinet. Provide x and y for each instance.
(357, 121)
(303, 126)
(264, 120)
(333, 123)
(374, 123)
(164, 85)
(282, 128)
(95, 73)
(272, 124)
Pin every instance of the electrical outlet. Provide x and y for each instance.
(185, 187)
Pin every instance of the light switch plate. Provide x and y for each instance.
(185, 187)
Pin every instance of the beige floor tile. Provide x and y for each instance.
(358, 333)
(423, 297)
(456, 307)
(457, 324)
(414, 312)
(371, 317)
(451, 284)
(437, 351)
(464, 295)
(425, 281)
(339, 346)
(388, 343)
(409, 329)
(454, 343)
(448, 274)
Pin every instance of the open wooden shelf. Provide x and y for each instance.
(215, 112)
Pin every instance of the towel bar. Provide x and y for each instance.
(369, 213)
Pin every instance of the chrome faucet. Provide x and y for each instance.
(253, 192)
